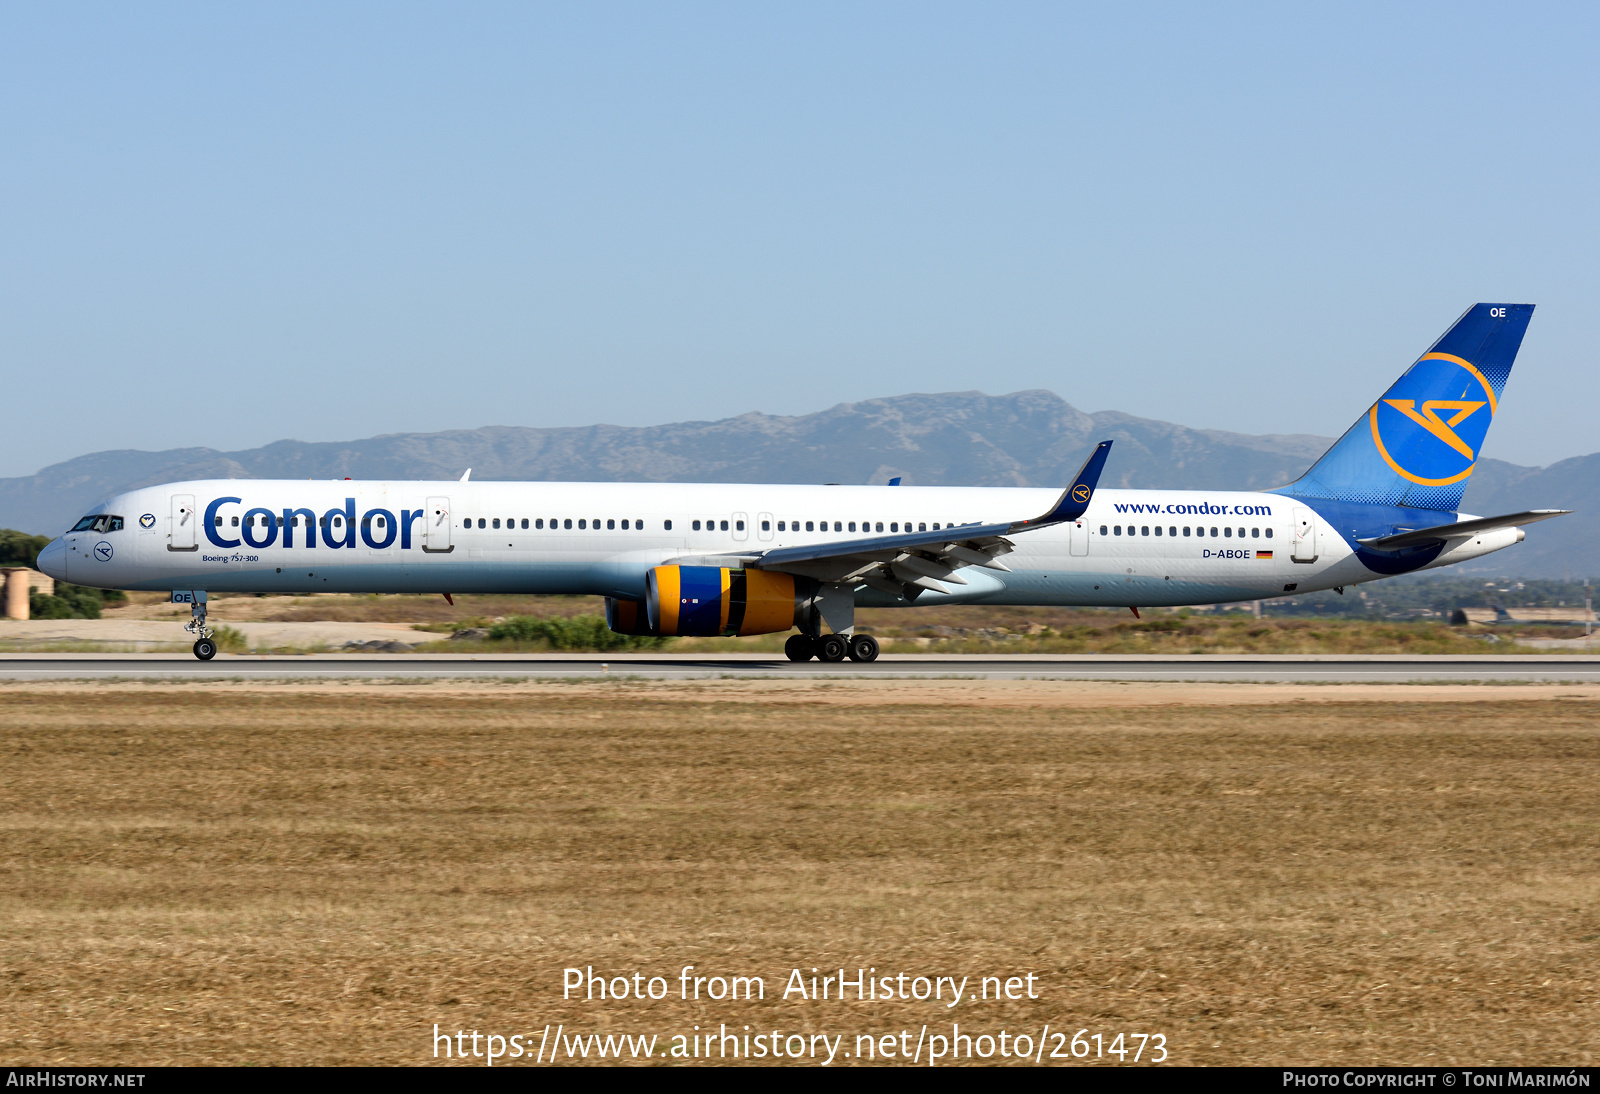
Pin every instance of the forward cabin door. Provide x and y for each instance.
(1079, 532)
(436, 536)
(1305, 535)
(184, 523)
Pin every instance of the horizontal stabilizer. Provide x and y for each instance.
(1458, 530)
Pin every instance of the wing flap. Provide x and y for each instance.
(885, 548)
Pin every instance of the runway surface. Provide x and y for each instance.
(1212, 668)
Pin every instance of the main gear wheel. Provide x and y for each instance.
(863, 647)
(832, 647)
(800, 647)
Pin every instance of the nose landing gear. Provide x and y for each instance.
(204, 648)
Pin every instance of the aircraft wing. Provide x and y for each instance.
(1458, 530)
(905, 564)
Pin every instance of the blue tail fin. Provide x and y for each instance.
(1418, 443)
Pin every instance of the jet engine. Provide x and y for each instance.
(705, 601)
(627, 617)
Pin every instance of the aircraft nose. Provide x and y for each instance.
(53, 559)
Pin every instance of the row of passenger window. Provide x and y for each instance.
(611, 524)
(850, 526)
(537, 523)
(557, 523)
(1172, 530)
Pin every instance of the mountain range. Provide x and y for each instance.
(1028, 438)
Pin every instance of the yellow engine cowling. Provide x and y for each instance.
(705, 601)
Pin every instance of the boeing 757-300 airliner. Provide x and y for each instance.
(736, 559)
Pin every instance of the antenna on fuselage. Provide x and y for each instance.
(465, 475)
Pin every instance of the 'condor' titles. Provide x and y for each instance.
(260, 527)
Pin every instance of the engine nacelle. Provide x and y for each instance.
(627, 617)
(706, 601)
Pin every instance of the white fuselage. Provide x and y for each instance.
(1131, 548)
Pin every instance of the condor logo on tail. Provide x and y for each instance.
(1445, 447)
(1429, 419)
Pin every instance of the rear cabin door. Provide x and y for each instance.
(1305, 535)
(184, 522)
(436, 536)
(1079, 532)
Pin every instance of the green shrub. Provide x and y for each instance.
(68, 602)
(19, 548)
(41, 606)
(229, 640)
(579, 632)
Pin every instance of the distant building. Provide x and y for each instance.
(20, 581)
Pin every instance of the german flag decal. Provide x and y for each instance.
(1263, 554)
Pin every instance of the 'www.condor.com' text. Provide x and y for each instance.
(557, 1045)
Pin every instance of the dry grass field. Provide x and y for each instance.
(315, 873)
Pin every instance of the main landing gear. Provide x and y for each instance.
(833, 606)
(831, 647)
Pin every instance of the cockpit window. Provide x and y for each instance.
(98, 522)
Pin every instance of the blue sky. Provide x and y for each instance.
(225, 225)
